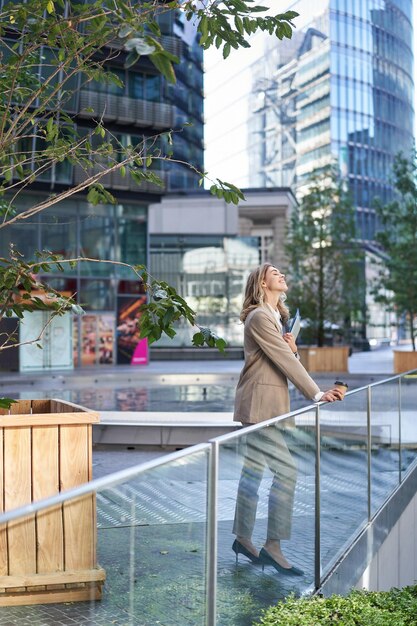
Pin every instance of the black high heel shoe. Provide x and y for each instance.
(239, 548)
(266, 559)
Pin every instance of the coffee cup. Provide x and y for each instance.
(342, 387)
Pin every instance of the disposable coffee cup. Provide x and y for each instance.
(343, 387)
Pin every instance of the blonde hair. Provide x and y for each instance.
(255, 294)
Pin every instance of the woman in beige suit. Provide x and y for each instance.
(271, 360)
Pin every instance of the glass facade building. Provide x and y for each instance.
(210, 271)
(142, 108)
(341, 90)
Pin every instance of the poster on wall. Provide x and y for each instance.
(97, 339)
(130, 348)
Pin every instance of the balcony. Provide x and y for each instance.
(125, 111)
(115, 181)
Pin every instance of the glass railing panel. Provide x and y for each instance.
(149, 534)
(385, 457)
(408, 447)
(344, 476)
(265, 490)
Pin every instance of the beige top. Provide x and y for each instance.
(262, 390)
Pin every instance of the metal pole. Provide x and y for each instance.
(211, 539)
(369, 448)
(399, 431)
(317, 555)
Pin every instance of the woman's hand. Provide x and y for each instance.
(289, 339)
(331, 395)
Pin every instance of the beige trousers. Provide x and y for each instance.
(266, 448)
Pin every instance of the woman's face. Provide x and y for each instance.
(274, 281)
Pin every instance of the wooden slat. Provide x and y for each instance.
(21, 407)
(51, 597)
(78, 514)
(60, 578)
(3, 537)
(59, 406)
(41, 406)
(18, 492)
(45, 471)
(50, 419)
(94, 503)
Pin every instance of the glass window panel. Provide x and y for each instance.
(113, 88)
(153, 88)
(267, 488)
(97, 242)
(385, 448)
(25, 236)
(151, 542)
(132, 238)
(408, 421)
(96, 294)
(137, 86)
(211, 274)
(59, 234)
(344, 478)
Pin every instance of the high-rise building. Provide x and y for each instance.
(143, 107)
(340, 91)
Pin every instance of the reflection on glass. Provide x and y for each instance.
(344, 476)
(385, 442)
(96, 294)
(210, 272)
(266, 496)
(97, 242)
(408, 421)
(152, 544)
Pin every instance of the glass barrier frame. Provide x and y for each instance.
(213, 448)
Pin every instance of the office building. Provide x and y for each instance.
(340, 91)
(143, 107)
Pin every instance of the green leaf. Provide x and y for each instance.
(6, 403)
(131, 59)
(164, 65)
(50, 7)
(198, 339)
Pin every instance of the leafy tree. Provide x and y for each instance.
(50, 49)
(324, 261)
(396, 284)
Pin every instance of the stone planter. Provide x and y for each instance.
(405, 360)
(45, 448)
(325, 359)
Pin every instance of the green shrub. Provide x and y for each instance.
(397, 607)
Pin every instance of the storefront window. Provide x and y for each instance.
(210, 272)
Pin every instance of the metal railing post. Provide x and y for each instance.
(317, 546)
(399, 431)
(211, 538)
(369, 448)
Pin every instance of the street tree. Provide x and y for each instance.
(324, 261)
(396, 282)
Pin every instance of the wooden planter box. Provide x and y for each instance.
(325, 359)
(404, 361)
(45, 448)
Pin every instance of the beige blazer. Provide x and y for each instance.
(262, 390)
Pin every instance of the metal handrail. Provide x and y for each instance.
(97, 484)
